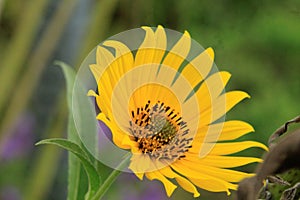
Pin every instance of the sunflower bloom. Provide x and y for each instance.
(168, 110)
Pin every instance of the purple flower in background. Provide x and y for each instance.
(10, 193)
(105, 130)
(152, 192)
(20, 139)
(132, 190)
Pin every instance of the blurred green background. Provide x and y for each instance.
(257, 41)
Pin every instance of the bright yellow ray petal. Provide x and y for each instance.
(155, 93)
(216, 84)
(96, 71)
(204, 61)
(140, 164)
(193, 73)
(169, 186)
(221, 105)
(106, 83)
(183, 182)
(193, 175)
(199, 67)
(153, 47)
(104, 99)
(179, 52)
(146, 85)
(109, 77)
(220, 161)
(230, 147)
(213, 185)
(92, 93)
(120, 48)
(208, 93)
(135, 163)
(234, 129)
(224, 131)
(118, 136)
(123, 55)
(187, 185)
(160, 45)
(149, 41)
(160, 38)
(198, 170)
(234, 97)
(103, 57)
(149, 56)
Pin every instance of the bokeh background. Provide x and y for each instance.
(257, 41)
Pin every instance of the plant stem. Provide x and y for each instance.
(111, 178)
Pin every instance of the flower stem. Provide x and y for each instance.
(111, 178)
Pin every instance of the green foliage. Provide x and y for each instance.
(292, 177)
(93, 176)
(80, 155)
(75, 184)
(73, 144)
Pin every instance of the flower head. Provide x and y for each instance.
(165, 102)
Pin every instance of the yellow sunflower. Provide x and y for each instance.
(168, 110)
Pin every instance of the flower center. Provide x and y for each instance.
(160, 131)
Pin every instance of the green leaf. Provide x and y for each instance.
(70, 75)
(76, 186)
(93, 176)
(292, 177)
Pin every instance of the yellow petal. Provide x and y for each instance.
(199, 67)
(120, 48)
(187, 185)
(231, 98)
(231, 147)
(153, 47)
(92, 93)
(183, 182)
(208, 95)
(213, 86)
(216, 84)
(222, 105)
(109, 70)
(193, 175)
(103, 103)
(220, 161)
(160, 38)
(139, 175)
(179, 52)
(234, 129)
(218, 173)
(96, 71)
(103, 57)
(120, 138)
(213, 185)
(105, 87)
(140, 164)
(123, 55)
(224, 131)
(169, 186)
(155, 93)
